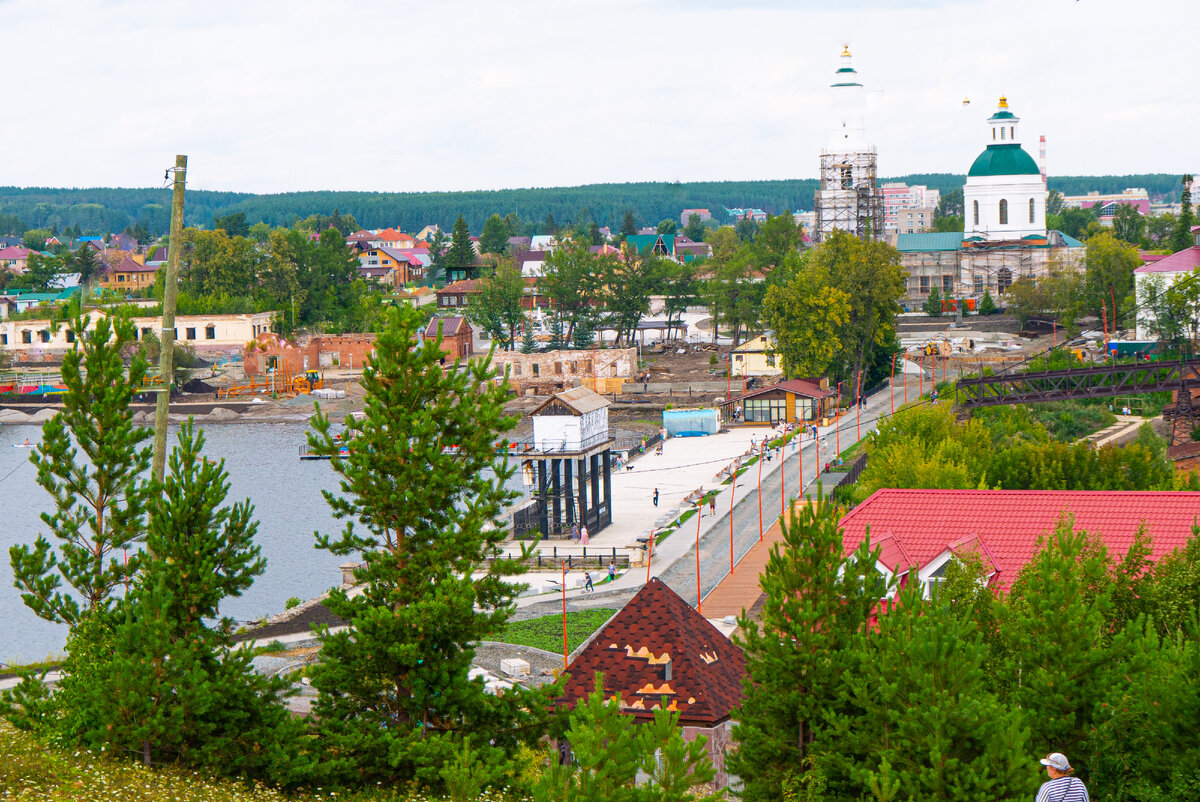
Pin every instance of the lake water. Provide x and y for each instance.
(263, 466)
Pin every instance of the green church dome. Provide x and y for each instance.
(1007, 159)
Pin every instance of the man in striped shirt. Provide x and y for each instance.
(1062, 786)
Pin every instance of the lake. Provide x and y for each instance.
(263, 466)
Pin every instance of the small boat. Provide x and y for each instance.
(24, 445)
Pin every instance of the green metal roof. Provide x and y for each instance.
(931, 241)
(1002, 115)
(845, 84)
(1008, 159)
(643, 242)
(1071, 241)
(847, 69)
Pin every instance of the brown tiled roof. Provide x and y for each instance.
(657, 647)
(803, 387)
(462, 285)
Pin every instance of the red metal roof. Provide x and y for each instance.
(805, 387)
(1178, 262)
(656, 647)
(913, 527)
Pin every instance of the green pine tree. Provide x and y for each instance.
(923, 720)
(933, 304)
(494, 238)
(460, 256)
(528, 345)
(987, 306)
(557, 337)
(1182, 237)
(176, 690)
(628, 225)
(422, 491)
(801, 655)
(89, 460)
(583, 337)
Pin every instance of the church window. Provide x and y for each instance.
(979, 289)
(1003, 212)
(1003, 280)
(947, 286)
(924, 285)
(1002, 133)
(847, 177)
(1012, 132)
(976, 207)
(1031, 208)
(993, 134)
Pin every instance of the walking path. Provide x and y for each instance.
(674, 560)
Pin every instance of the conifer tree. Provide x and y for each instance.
(987, 306)
(922, 717)
(628, 225)
(1182, 237)
(422, 490)
(460, 256)
(528, 345)
(557, 338)
(175, 689)
(801, 653)
(89, 461)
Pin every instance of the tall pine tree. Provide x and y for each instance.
(460, 256)
(1182, 237)
(422, 491)
(800, 655)
(89, 461)
(175, 689)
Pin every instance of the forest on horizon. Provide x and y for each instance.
(103, 210)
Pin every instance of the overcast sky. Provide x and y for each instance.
(271, 96)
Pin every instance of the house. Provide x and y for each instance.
(128, 274)
(10, 241)
(393, 238)
(920, 531)
(428, 233)
(686, 250)
(1160, 272)
(787, 402)
(457, 294)
(653, 244)
(457, 336)
(685, 216)
(518, 244)
(560, 370)
(14, 259)
(755, 357)
(269, 351)
(659, 652)
(532, 263)
(124, 242)
(214, 333)
(390, 266)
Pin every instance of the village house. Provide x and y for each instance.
(790, 401)
(14, 259)
(205, 333)
(755, 357)
(128, 273)
(457, 336)
(658, 652)
(919, 532)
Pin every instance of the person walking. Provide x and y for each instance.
(712, 504)
(656, 497)
(1063, 785)
(583, 536)
(612, 571)
(588, 587)
(574, 531)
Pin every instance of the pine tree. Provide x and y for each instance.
(987, 306)
(801, 654)
(922, 717)
(460, 257)
(583, 337)
(557, 337)
(494, 238)
(1182, 238)
(528, 345)
(422, 491)
(933, 304)
(176, 690)
(89, 460)
(550, 225)
(628, 225)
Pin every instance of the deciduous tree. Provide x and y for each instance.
(807, 316)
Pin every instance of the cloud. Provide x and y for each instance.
(380, 95)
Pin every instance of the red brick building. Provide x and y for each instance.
(458, 338)
(323, 352)
(659, 651)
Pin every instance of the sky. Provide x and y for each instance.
(397, 96)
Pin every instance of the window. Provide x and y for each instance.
(1003, 280)
(558, 370)
(44, 336)
(210, 332)
(536, 370)
(847, 177)
(146, 332)
(1012, 132)
(976, 207)
(516, 370)
(3, 339)
(1002, 133)
(1003, 212)
(120, 276)
(924, 285)
(70, 336)
(979, 288)
(191, 332)
(27, 337)
(765, 410)
(1031, 208)
(770, 360)
(947, 286)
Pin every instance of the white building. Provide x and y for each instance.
(205, 333)
(1004, 198)
(849, 198)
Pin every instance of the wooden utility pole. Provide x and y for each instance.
(166, 337)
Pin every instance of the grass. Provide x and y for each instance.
(1067, 421)
(33, 772)
(546, 632)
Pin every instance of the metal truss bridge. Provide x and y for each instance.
(1101, 381)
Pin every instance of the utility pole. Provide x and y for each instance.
(166, 339)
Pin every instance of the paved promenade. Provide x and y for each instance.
(685, 465)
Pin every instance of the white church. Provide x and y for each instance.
(1004, 235)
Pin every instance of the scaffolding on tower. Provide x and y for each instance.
(849, 198)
